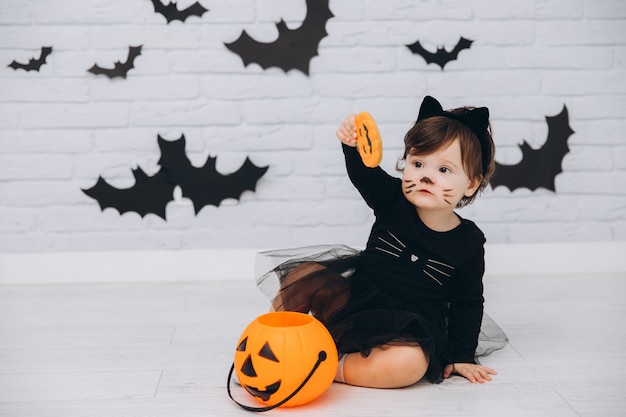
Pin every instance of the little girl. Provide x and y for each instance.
(411, 304)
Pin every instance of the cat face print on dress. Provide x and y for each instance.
(437, 180)
(439, 272)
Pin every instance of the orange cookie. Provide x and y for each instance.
(368, 140)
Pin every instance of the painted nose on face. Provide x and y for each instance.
(426, 180)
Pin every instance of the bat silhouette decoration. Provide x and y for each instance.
(294, 48)
(119, 69)
(34, 64)
(171, 11)
(441, 57)
(203, 186)
(148, 195)
(538, 167)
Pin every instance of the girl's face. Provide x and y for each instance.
(437, 181)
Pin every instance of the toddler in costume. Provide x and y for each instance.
(409, 306)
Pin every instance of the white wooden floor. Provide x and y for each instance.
(159, 350)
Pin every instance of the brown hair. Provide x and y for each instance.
(433, 133)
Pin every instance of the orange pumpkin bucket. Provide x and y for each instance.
(284, 359)
(368, 141)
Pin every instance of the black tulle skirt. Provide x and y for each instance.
(328, 282)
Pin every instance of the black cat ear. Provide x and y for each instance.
(430, 107)
(477, 120)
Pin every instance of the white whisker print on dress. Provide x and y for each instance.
(395, 248)
(436, 270)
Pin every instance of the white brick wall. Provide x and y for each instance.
(62, 127)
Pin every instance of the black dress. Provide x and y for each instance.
(411, 285)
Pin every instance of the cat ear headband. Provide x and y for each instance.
(476, 119)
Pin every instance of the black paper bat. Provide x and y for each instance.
(171, 12)
(120, 69)
(441, 57)
(205, 185)
(148, 195)
(294, 48)
(33, 64)
(538, 167)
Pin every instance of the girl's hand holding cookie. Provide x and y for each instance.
(346, 132)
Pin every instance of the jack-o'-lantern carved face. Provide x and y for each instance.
(247, 369)
(276, 353)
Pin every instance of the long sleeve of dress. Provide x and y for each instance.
(374, 184)
(466, 311)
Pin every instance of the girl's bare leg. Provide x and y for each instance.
(386, 367)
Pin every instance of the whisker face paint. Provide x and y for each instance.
(447, 195)
(411, 184)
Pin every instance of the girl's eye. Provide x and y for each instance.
(444, 170)
(417, 164)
